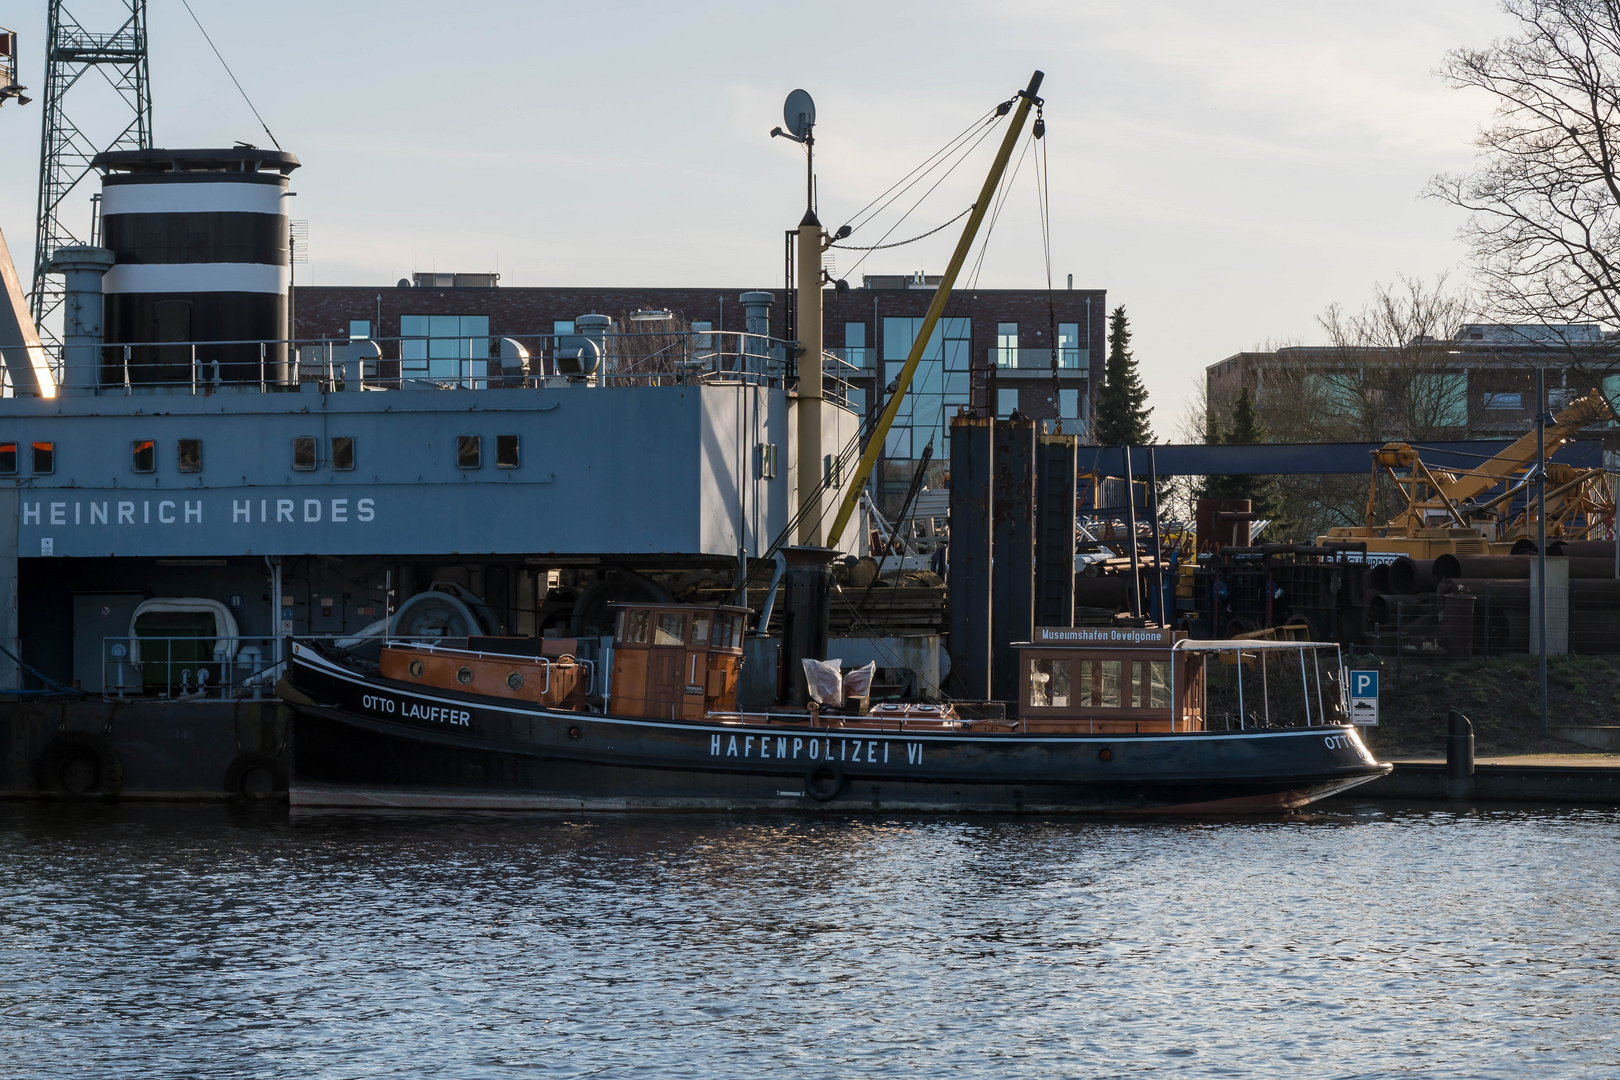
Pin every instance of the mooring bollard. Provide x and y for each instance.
(1459, 756)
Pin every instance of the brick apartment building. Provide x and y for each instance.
(1479, 384)
(991, 352)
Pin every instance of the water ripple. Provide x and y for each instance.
(1355, 942)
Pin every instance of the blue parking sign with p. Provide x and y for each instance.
(1364, 684)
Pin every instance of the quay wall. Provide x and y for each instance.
(171, 750)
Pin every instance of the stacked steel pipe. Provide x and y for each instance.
(1471, 604)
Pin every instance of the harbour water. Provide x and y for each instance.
(1355, 941)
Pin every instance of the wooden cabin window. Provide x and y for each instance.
(1049, 683)
(1158, 684)
(633, 628)
(670, 627)
(699, 637)
(727, 632)
(1106, 676)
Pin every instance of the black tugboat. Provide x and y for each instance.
(1109, 720)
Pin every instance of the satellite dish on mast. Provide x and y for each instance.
(799, 113)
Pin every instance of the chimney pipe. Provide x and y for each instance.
(82, 269)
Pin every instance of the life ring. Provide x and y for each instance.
(80, 763)
(255, 776)
(823, 782)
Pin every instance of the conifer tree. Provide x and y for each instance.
(1262, 492)
(1122, 409)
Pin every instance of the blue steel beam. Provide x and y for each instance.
(1279, 459)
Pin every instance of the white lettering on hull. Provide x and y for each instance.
(192, 512)
(411, 710)
(811, 749)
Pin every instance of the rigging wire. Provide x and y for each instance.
(963, 156)
(231, 73)
(928, 164)
(1043, 201)
(903, 243)
(995, 214)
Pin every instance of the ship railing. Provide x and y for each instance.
(512, 361)
(223, 668)
(432, 646)
(188, 667)
(828, 721)
(1254, 685)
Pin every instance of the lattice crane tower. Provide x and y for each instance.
(73, 53)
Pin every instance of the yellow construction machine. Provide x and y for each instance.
(1472, 511)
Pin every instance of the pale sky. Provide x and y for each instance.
(1224, 170)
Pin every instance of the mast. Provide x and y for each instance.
(875, 440)
(812, 238)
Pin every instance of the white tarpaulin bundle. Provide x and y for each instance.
(826, 681)
(858, 681)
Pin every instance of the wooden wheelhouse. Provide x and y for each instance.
(1108, 679)
(676, 661)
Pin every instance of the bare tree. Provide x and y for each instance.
(1387, 373)
(1544, 197)
(1391, 372)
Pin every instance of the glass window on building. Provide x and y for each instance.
(1006, 402)
(939, 386)
(441, 346)
(359, 328)
(1007, 344)
(855, 345)
(1069, 404)
(702, 334)
(1070, 353)
(562, 327)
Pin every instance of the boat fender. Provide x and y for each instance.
(255, 775)
(823, 782)
(289, 693)
(80, 763)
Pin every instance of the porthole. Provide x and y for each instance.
(464, 675)
(514, 680)
(417, 668)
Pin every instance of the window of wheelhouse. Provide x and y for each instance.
(8, 459)
(670, 630)
(1150, 684)
(699, 637)
(1049, 683)
(633, 627)
(728, 631)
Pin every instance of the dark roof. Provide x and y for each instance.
(227, 159)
